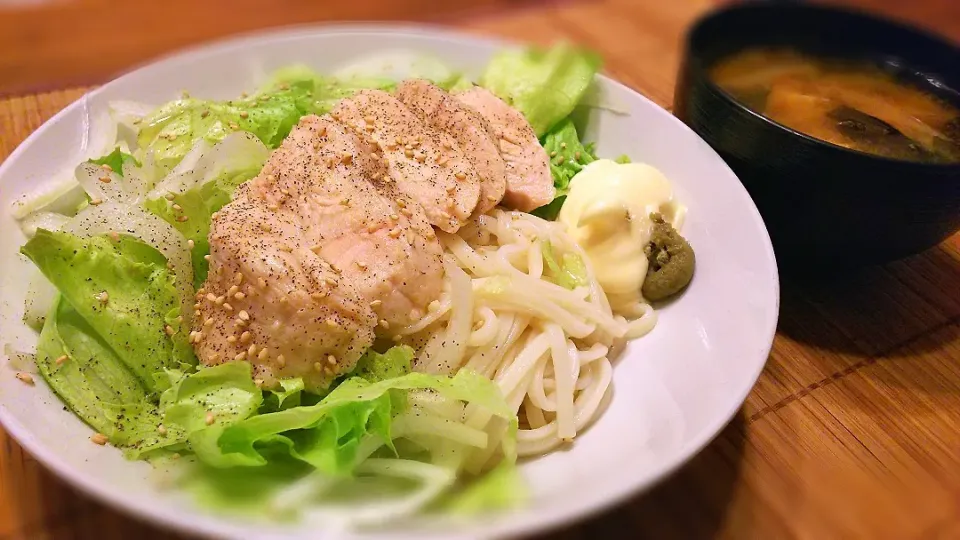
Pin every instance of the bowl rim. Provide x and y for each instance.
(512, 527)
(696, 64)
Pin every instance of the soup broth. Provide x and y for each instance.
(853, 105)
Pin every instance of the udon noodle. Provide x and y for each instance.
(502, 315)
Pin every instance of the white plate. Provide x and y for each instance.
(673, 390)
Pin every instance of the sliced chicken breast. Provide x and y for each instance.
(356, 218)
(272, 301)
(425, 163)
(529, 183)
(444, 112)
(326, 251)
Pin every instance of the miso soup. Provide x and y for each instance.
(853, 105)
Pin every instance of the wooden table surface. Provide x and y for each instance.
(853, 430)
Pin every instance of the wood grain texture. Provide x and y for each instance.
(852, 431)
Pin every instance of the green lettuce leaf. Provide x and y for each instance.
(568, 156)
(569, 271)
(115, 160)
(96, 384)
(375, 367)
(327, 434)
(499, 489)
(286, 397)
(213, 396)
(141, 306)
(325, 91)
(173, 129)
(545, 85)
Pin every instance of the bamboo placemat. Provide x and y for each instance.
(853, 430)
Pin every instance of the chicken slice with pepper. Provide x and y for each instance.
(425, 163)
(529, 183)
(446, 113)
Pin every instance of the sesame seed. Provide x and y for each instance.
(384, 324)
(26, 378)
(227, 306)
(177, 207)
(234, 125)
(451, 189)
(345, 201)
(211, 297)
(361, 265)
(208, 322)
(209, 419)
(182, 219)
(318, 296)
(169, 330)
(62, 359)
(161, 429)
(252, 350)
(206, 258)
(170, 196)
(244, 315)
(394, 233)
(262, 283)
(408, 152)
(273, 207)
(266, 227)
(460, 176)
(281, 361)
(204, 114)
(245, 337)
(96, 202)
(332, 360)
(99, 438)
(318, 366)
(115, 236)
(491, 197)
(346, 157)
(231, 339)
(553, 154)
(375, 303)
(239, 296)
(244, 114)
(191, 244)
(105, 179)
(103, 297)
(240, 356)
(562, 145)
(218, 300)
(397, 337)
(372, 228)
(394, 217)
(215, 215)
(442, 161)
(332, 323)
(264, 352)
(215, 357)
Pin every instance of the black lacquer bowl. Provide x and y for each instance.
(827, 208)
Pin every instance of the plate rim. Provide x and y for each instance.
(508, 527)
